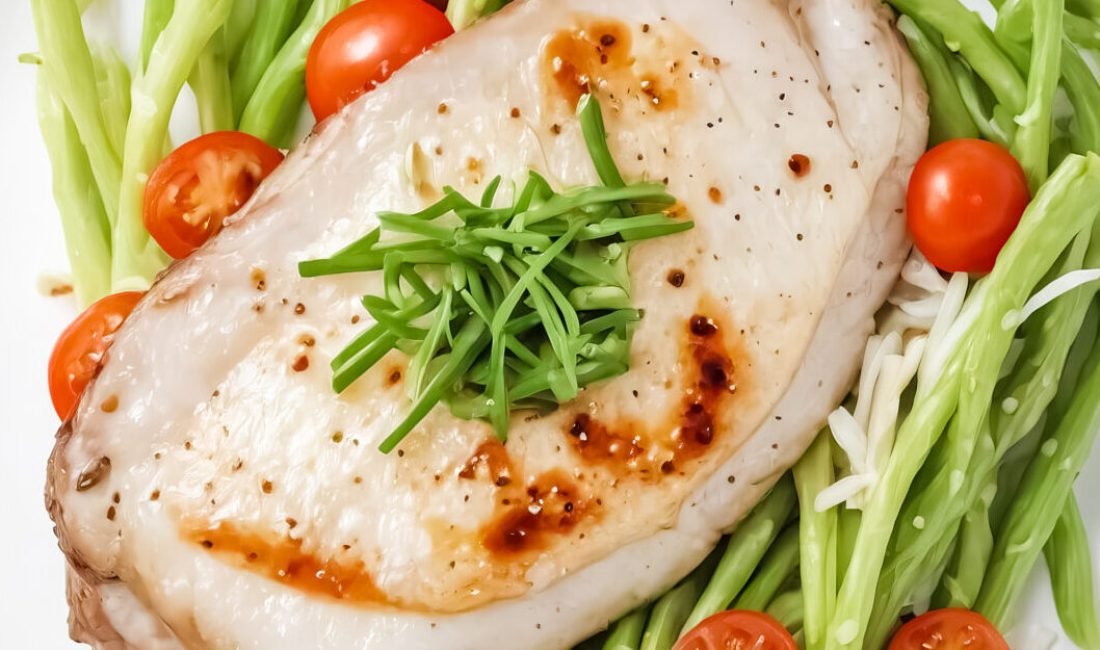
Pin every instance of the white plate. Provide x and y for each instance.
(32, 598)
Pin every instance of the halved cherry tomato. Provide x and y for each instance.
(195, 188)
(80, 349)
(363, 45)
(737, 629)
(965, 200)
(949, 629)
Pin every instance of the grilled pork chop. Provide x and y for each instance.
(213, 491)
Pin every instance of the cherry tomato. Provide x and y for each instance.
(736, 629)
(195, 188)
(363, 45)
(949, 629)
(965, 200)
(80, 349)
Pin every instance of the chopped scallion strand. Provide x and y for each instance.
(507, 308)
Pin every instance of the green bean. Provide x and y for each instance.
(994, 122)
(67, 60)
(270, 29)
(278, 98)
(1032, 144)
(136, 257)
(626, 633)
(238, 27)
(847, 528)
(1042, 496)
(154, 20)
(963, 578)
(671, 610)
(787, 609)
(779, 565)
(949, 116)
(1086, 8)
(964, 32)
(1068, 558)
(1064, 207)
(1084, 96)
(747, 546)
(210, 82)
(83, 219)
(113, 84)
(1082, 31)
(818, 530)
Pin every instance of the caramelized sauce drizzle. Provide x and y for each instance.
(282, 559)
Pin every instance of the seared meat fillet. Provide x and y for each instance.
(213, 491)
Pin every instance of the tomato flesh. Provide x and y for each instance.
(363, 45)
(965, 200)
(738, 630)
(949, 629)
(193, 190)
(81, 348)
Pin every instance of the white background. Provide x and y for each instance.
(32, 602)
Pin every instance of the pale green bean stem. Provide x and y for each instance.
(83, 219)
(669, 613)
(1042, 496)
(238, 27)
(68, 62)
(963, 579)
(818, 531)
(1032, 144)
(777, 567)
(964, 28)
(1070, 563)
(282, 89)
(154, 20)
(113, 83)
(949, 116)
(273, 23)
(210, 83)
(1084, 95)
(748, 544)
(626, 633)
(787, 608)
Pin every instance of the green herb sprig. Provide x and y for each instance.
(505, 308)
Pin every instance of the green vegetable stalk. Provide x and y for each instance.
(776, 569)
(210, 82)
(67, 62)
(1042, 496)
(1032, 144)
(626, 633)
(1068, 558)
(818, 543)
(273, 110)
(272, 24)
(113, 84)
(948, 113)
(83, 219)
(136, 257)
(671, 610)
(1064, 207)
(787, 609)
(747, 546)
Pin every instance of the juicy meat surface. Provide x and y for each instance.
(233, 500)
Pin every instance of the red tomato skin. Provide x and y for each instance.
(79, 351)
(965, 200)
(957, 629)
(754, 630)
(363, 45)
(220, 170)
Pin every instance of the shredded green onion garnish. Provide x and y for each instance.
(505, 308)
